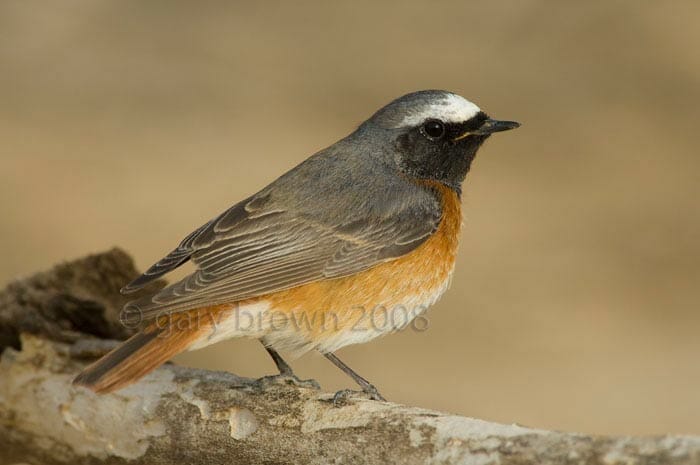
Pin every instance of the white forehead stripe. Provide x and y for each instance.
(451, 108)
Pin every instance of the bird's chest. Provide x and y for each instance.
(380, 300)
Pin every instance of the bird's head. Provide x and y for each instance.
(436, 134)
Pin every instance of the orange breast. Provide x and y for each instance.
(333, 313)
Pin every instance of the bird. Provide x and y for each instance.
(352, 244)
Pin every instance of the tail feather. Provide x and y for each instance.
(135, 358)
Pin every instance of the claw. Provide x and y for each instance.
(374, 393)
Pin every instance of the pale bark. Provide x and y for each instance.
(181, 415)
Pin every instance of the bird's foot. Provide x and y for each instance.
(343, 396)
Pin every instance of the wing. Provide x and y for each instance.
(259, 247)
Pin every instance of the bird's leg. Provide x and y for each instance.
(282, 366)
(366, 386)
(286, 374)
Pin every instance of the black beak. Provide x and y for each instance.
(491, 125)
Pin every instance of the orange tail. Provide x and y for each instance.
(136, 357)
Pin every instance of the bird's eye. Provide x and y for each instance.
(434, 129)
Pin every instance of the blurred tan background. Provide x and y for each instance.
(575, 301)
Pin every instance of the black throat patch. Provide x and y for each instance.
(447, 159)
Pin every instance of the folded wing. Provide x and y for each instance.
(259, 247)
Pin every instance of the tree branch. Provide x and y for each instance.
(194, 416)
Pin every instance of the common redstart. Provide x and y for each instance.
(353, 243)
